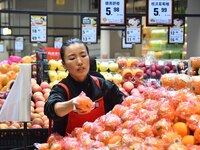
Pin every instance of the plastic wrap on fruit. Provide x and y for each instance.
(168, 80)
(154, 142)
(70, 143)
(166, 110)
(185, 110)
(83, 104)
(193, 122)
(194, 85)
(162, 126)
(149, 116)
(112, 121)
(182, 81)
(53, 138)
(104, 136)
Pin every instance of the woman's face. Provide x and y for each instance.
(76, 61)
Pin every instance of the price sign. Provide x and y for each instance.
(58, 41)
(89, 29)
(177, 31)
(112, 12)
(1, 48)
(124, 44)
(19, 43)
(160, 12)
(133, 30)
(38, 28)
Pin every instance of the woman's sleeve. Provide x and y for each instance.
(57, 94)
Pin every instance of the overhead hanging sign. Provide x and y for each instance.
(112, 12)
(133, 30)
(58, 41)
(19, 44)
(177, 31)
(160, 12)
(38, 28)
(89, 29)
(124, 44)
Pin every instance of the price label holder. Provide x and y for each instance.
(19, 44)
(133, 30)
(159, 12)
(124, 44)
(89, 29)
(58, 41)
(176, 33)
(112, 12)
(38, 28)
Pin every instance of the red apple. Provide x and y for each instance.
(35, 126)
(39, 104)
(37, 121)
(128, 86)
(36, 88)
(44, 85)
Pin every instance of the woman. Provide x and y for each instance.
(62, 99)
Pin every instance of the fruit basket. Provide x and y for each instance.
(16, 138)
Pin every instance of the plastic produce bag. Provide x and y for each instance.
(18, 102)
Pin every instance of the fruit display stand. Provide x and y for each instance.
(21, 138)
(22, 135)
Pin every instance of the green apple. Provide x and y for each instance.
(103, 66)
(108, 76)
(117, 79)
(53, 64)
(60, 65)
(53, 76)
(62, 75)
(113, 67)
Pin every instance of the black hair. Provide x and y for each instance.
(68, 43)
(93, 63)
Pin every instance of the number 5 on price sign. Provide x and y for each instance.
(160, 12)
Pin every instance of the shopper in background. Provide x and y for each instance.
(93, 67)
(62, 99)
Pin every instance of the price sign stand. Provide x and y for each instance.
(176, 33)
(58, 41)
(124, 44)
(133, 30)
(19, 44)
(89, 29)
(112, 12)
(160, 12)
(38, 28)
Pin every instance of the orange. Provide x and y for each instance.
(181, 128)
(188, 139)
